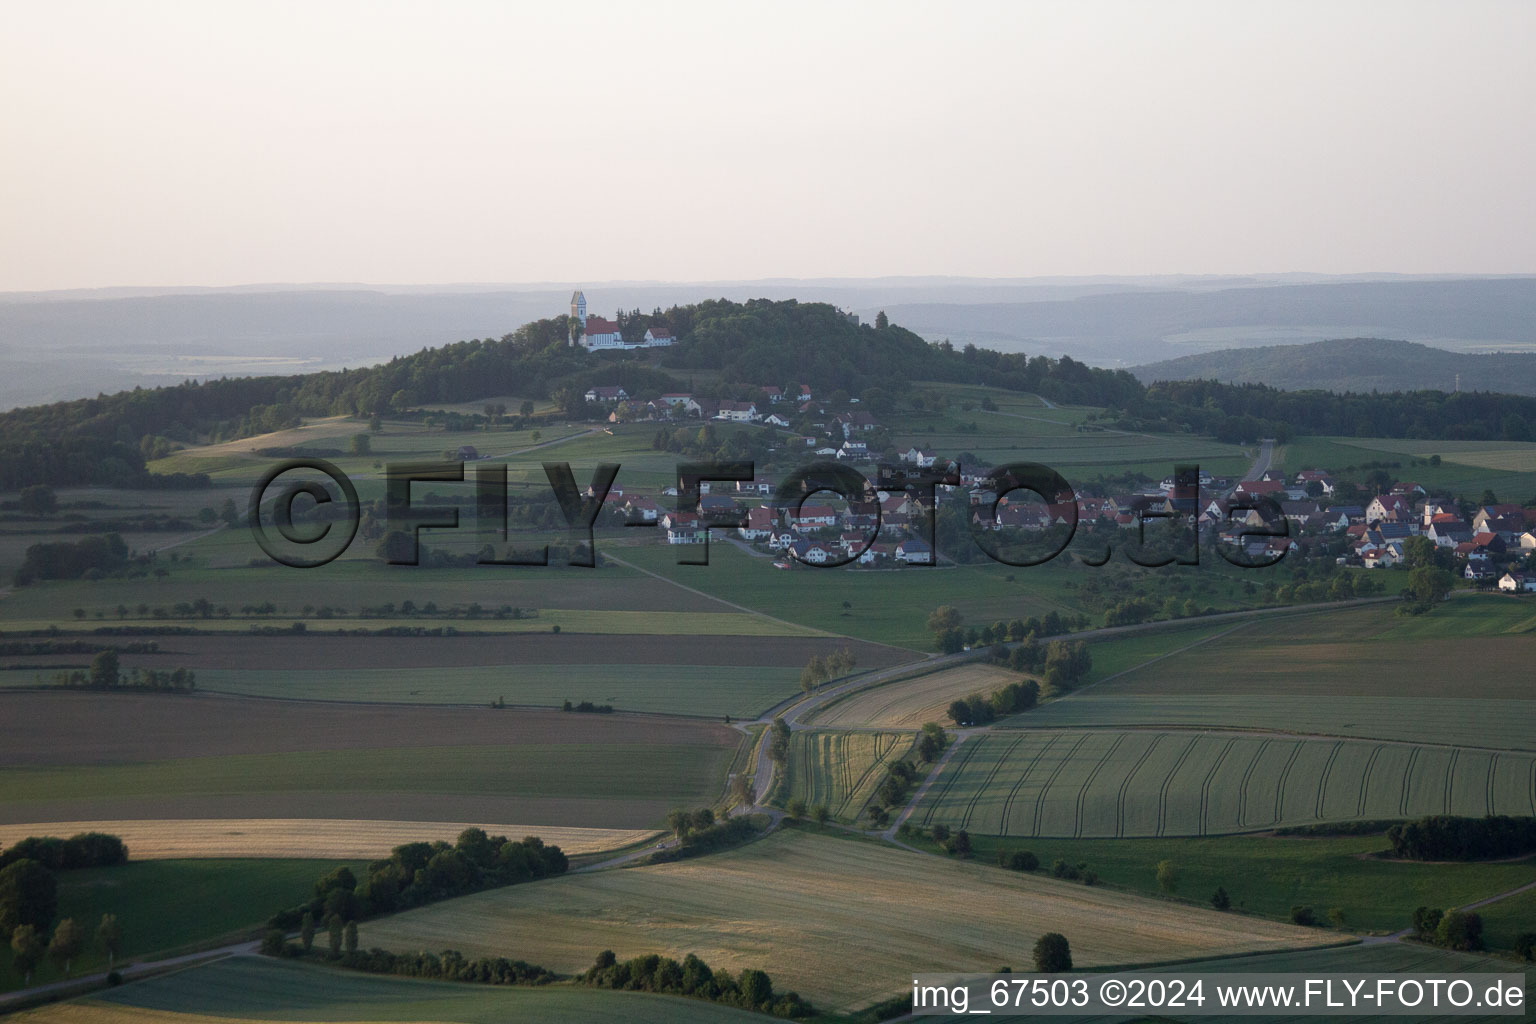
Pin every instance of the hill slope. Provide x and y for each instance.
(1353, 364)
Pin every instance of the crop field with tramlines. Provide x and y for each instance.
(1107, 783)
(909, 703)
(841, 769)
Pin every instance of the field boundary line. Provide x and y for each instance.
(1450, 780)
(922, 790)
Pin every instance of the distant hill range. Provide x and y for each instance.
(1354, 364)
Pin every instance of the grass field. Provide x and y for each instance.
(319, 838)
(909, 703)
(806, 908)
(1508, 468)
(710, 691)
(77, 757)
(245, 989)
(170, 904)
(841, 769)
(1269, 875)
(1107, 783)
(1506, 920)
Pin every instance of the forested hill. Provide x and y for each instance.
(106, 440)
(1353, 364)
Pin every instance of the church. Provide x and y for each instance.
(598, 333)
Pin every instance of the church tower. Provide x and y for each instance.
(579, 313)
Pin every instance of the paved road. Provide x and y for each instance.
(1262, 460)
(129, 971)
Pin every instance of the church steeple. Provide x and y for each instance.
(579, 307)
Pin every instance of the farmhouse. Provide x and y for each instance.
(737, 412)
(1514, 583)
(658, 337)
(606, 394)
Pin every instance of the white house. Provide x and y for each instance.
(658, 337)
(914, 551)
(737, 412)
(606, 394)
(1514, 583)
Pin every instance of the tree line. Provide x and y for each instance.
(752, 989)
(1449, 837)
(418, 873)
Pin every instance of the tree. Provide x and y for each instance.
(350, 939)
(334, 927)
(679, 821)
(796, 808)
(110, 937)
(361, 444)
(821, 814)
(1525, 946)
(943, 619)
(882, 321)
(27, 947)
(1052, 953)
(104, 669)
(1167, 876)
(526, 409)
(307, 931)
(67, 943)
(1023, 860)
(1303, 916)
(38, 500)
(960, 844)
(229, 513)
(28, 895)
(1461, 930)
(1429, 586)
(1220, 900)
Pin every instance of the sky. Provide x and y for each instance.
(158, 143)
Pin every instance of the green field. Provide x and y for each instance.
(841, 769)
(164, 906)
(1108, 783)
(1269, 875)
(842, 921)
(256, 988)
(706, 690)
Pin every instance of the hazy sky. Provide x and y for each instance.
(223, 143)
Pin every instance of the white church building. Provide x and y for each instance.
(599, 334)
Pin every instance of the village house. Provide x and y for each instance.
(737, 412)
(914, 551)
(1516, 583)
(606, 394)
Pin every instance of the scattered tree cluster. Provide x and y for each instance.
(821, 670)
(1007, 700)
(1453, 929)
(751, 989)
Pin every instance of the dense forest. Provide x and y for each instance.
(108, 439)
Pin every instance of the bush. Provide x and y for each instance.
(1460, 930)
(1525, 946)
(1220, 900)
(1303, 916)
(272, 942)
(1052, 953)
(114, 978)
(1023, 860)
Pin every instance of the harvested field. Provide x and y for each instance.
(804, 908)
(841, 769)
(321, 838)
(1107, 783)
(909, 703)
(247, 990)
